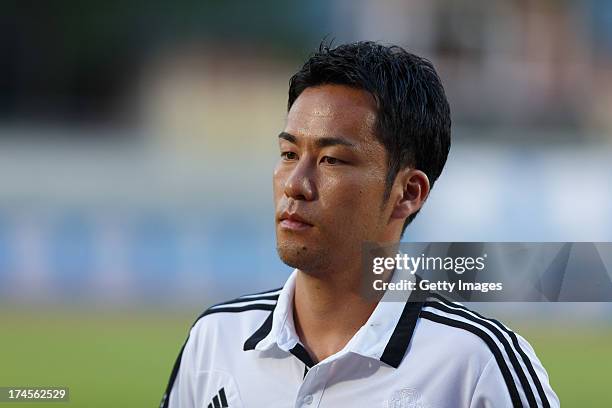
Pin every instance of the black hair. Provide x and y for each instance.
(413, 117)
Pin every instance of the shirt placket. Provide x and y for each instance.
(312, 388)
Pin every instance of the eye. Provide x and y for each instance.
(331, 160)
(289, 155)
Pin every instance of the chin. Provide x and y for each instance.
(301, 256)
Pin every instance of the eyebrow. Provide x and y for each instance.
(321, 142)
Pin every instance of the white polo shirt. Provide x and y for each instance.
(427, 352)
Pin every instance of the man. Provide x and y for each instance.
(367, 135)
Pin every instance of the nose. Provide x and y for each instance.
(299, 184)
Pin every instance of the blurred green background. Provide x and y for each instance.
(124, 359)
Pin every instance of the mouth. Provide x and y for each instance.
(293, 222)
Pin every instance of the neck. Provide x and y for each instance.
(328, 310)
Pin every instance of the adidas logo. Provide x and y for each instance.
(219, 400)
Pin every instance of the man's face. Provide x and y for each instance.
(330, 179)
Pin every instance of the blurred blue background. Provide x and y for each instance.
(137, 141)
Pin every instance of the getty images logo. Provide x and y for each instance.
(219, 400)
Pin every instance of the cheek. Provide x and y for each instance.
(352, 203)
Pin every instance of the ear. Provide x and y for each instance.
(409, 193)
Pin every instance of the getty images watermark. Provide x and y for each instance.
(490, 271)
(415, 264)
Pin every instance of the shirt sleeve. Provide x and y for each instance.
(491, 389)
(180, 389)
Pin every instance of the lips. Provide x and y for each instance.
(293, 222)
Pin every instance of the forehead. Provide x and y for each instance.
(333, 110)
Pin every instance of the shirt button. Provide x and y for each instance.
(308, 399)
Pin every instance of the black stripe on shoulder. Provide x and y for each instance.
(501, 338)
(515, 343)
(237, 309)
(228, 309)
(514, 394)
(267, 295)
(249, 299)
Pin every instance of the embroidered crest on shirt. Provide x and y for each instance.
(404, 398)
